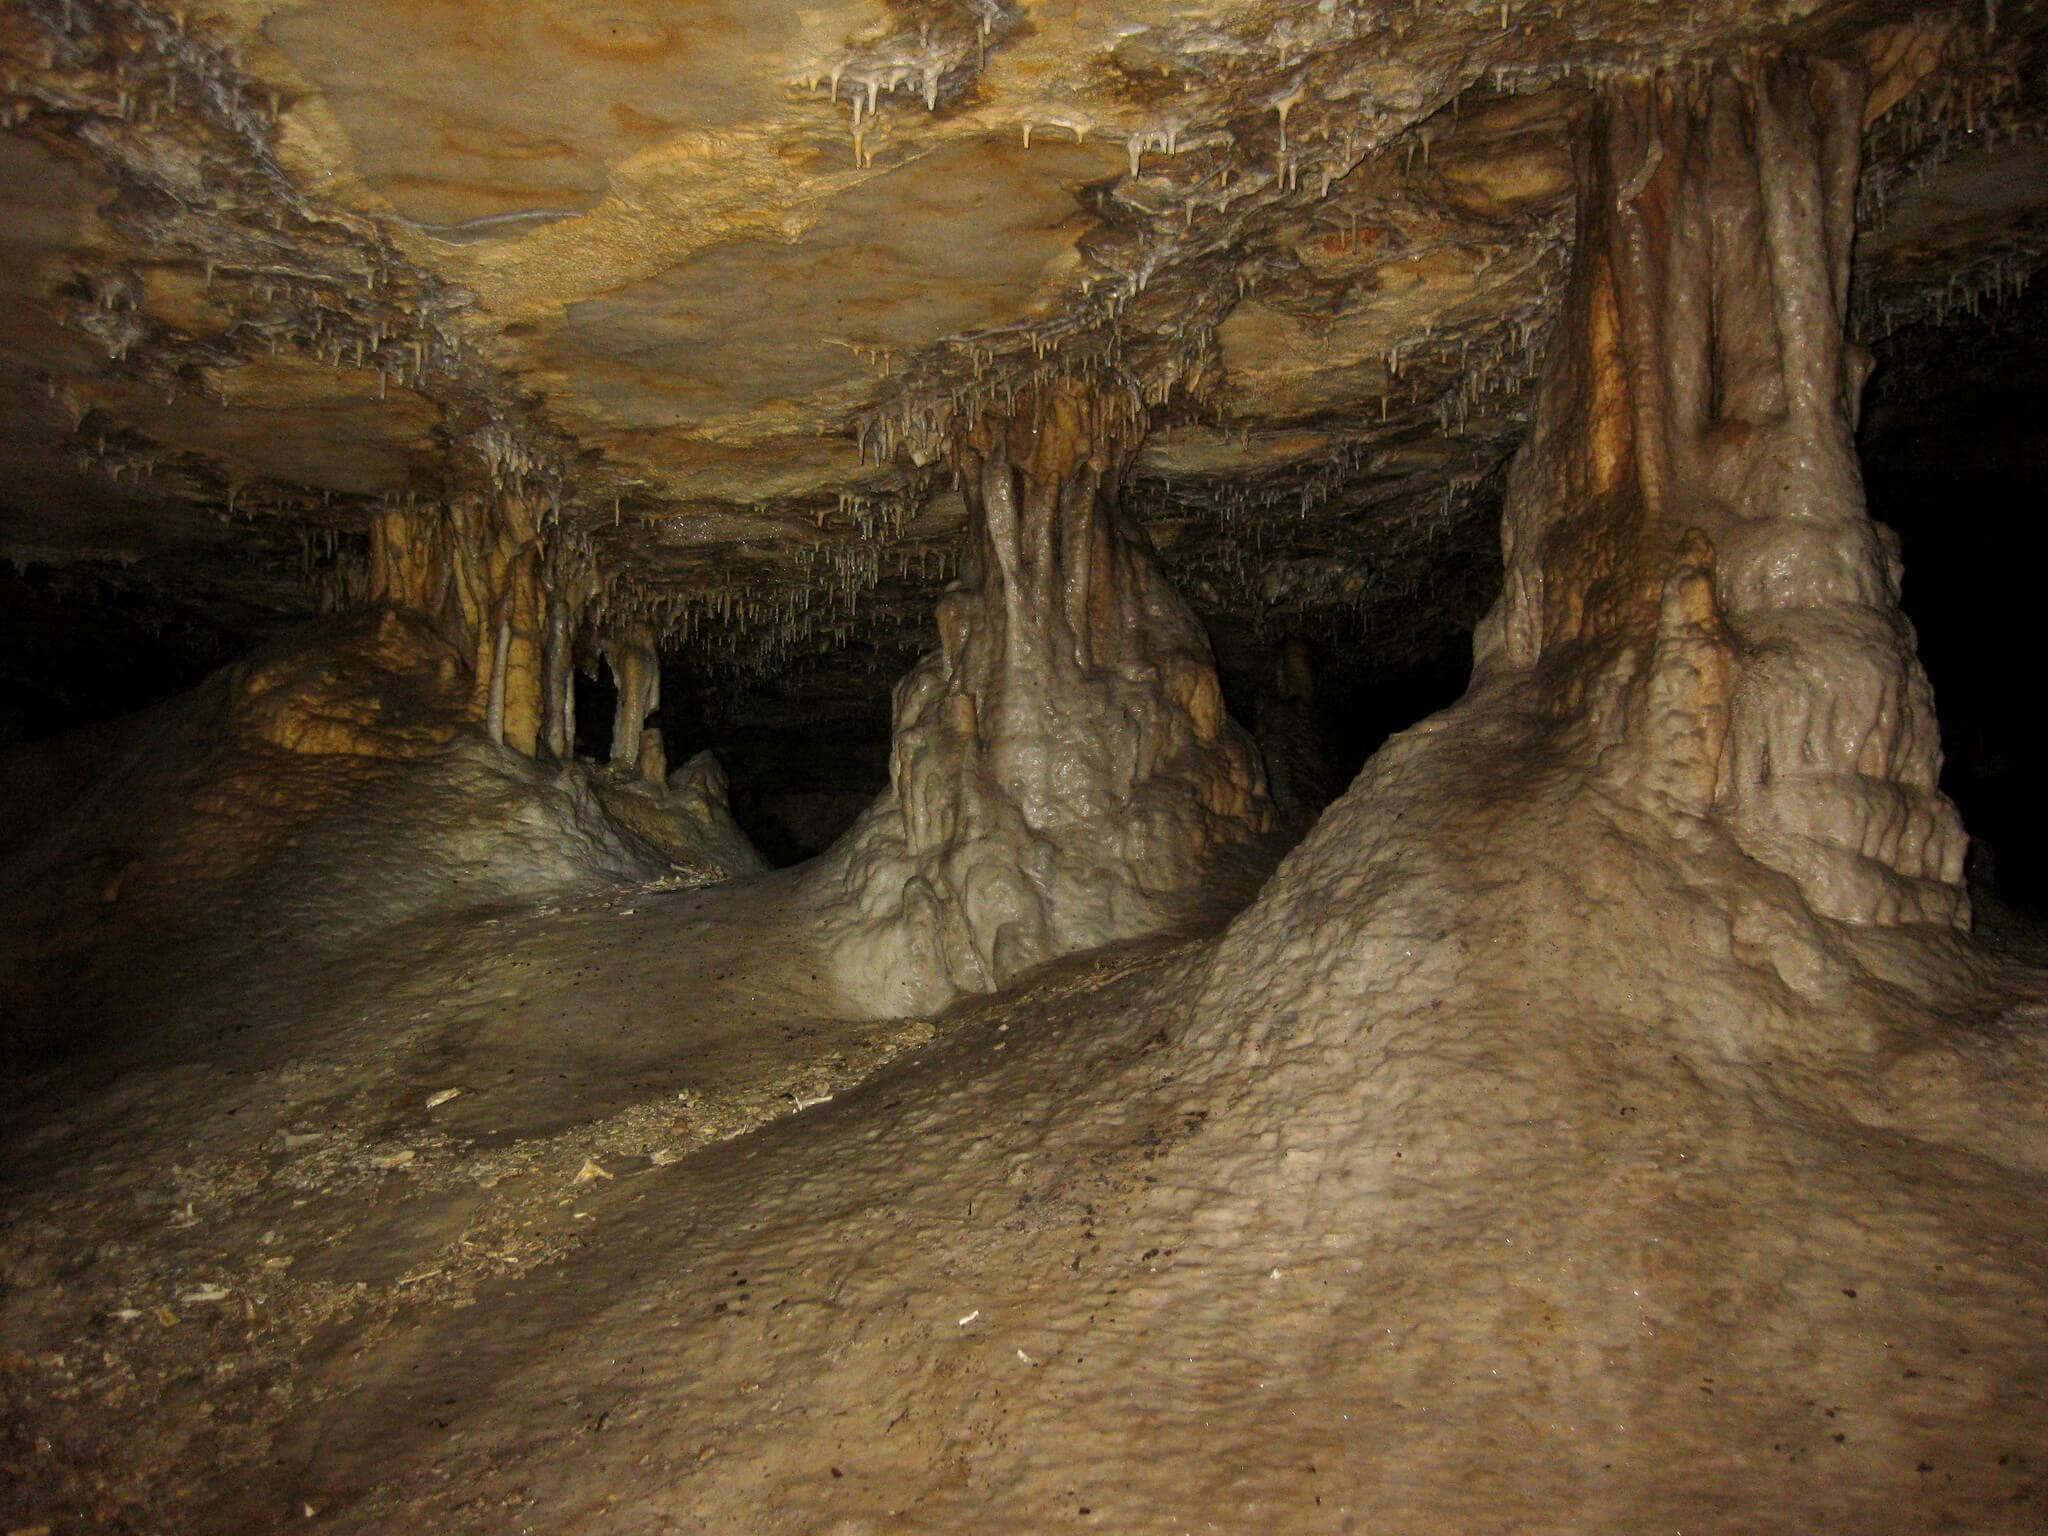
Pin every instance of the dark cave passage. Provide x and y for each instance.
(1954, 446)
(800, 769)
(82, 646)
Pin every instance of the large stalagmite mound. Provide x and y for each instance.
(1063, 772)
(332, 786)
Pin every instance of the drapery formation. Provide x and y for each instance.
(1062, 765)
(1690, 569)
(514, 606)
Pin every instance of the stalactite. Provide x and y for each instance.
(636, 670)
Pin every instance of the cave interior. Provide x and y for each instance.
(994, 765)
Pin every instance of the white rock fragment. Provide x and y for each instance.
(970, 1317)
(590, 1172)
(204, 1295)
(436, 1099)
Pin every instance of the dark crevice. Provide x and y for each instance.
(1953, 446)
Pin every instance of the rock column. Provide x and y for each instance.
(1690, 569)
(1062, 767)
(636, 669)
(474, 569)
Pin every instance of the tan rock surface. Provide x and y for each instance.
(723, 273)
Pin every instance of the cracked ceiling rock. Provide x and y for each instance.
(282, 267)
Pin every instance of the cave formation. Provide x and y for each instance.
(1689, 562)
(678, 851)
(1062, 771)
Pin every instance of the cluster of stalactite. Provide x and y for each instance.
(522, 608)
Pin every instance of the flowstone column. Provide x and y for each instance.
(636, 669)
(474, 570)
(1063, 767)
(1691, 572)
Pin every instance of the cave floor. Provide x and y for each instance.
(687, 1253)
(314, 1157)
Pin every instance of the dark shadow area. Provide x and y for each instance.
(597, 701)
(1953, 446)
(800, 769)
(81, 645)
(1319, 712)
(1363, 707)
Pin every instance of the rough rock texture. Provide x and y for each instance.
(1063, 768)
(1690, 567)
(713, 295)
(329, 788)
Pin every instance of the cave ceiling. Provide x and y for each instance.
(712, 279)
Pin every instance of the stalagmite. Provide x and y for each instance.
(1062, 766)
(1691, 574)
(636, 669)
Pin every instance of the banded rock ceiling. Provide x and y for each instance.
(709, 281)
